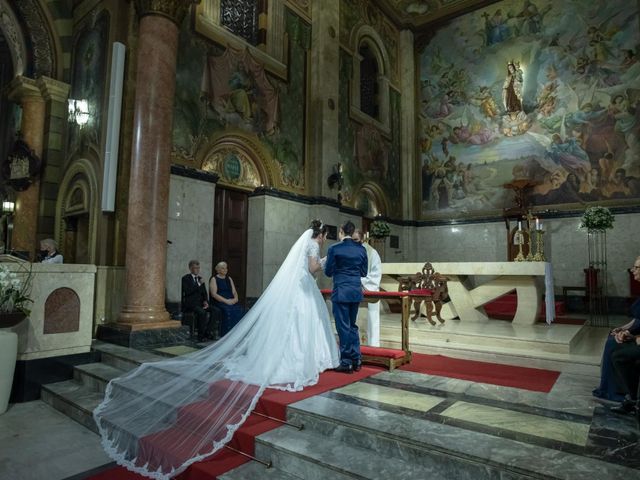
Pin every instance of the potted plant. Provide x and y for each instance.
(14, 296)
(379, 229)
(14, 302)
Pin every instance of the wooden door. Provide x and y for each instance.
(230, 235)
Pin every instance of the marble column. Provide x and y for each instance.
(27, 93)
(324, 92)
(150, 165)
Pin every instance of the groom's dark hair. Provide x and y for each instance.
(348, 228)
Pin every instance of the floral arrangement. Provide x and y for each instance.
(597, 218)
(379, 229)
(14, 291)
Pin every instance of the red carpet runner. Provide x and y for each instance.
(274, 403)
(533, 379)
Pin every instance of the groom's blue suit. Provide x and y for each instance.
(347, 263)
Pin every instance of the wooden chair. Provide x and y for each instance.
(429, 287)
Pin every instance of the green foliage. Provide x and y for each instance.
(14, 291)
(597, 218)
(379, 229)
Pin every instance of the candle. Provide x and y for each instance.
(519, 226)
(540, 226)
(537, 223)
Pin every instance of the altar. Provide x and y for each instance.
(469, 333)
(468, 291)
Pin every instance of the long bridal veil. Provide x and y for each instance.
(161, 417)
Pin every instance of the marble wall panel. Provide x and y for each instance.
(274, 226)
(61, 312)
(189, 229)
(565, 247)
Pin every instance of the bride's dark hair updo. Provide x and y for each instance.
(318, 228)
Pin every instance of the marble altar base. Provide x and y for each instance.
(566, 348)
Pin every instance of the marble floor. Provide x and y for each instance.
(38, 442)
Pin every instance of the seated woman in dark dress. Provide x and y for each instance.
(224, 296)
(609, 388)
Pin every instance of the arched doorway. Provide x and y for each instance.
(77, 212)
(243, 165)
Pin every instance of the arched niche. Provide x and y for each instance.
(77, 212)
(371, 199)
(240, 161)
(367, 38)
(10, 30)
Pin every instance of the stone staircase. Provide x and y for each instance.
(77, 398)
(342, 440)
(348, 436)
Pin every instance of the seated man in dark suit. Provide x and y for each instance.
(195, 299)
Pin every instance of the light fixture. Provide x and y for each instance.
(8, 206)
(79, 112)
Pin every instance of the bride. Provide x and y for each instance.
(161, 417)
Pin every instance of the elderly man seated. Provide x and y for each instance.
(195, 300)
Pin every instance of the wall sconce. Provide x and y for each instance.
(6, 225)
(8, 206)
(79, 112)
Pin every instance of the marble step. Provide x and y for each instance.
(314, 456)
(96, 376)
(122, 357)
(75, 400)
(255, 470)
(452, 451)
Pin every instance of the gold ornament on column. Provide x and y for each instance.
(174, 10)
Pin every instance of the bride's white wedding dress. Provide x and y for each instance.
(162, 417)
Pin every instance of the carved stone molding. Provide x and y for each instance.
(42, 47)
(44, 88)
(23, 89)
(53, 90)
(174, 10)
(10, 28)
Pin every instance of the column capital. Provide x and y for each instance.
(174, 10)
(22, 89)
(53, 90)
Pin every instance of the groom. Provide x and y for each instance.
(347, 263)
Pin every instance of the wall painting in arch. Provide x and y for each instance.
(538, 90)
(89, 77)
(223, 90)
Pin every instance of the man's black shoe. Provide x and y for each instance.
(627, 407)
(357, 367)
(343, 369)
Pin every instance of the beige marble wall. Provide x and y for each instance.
(190, 230)
(32, 342)
(274, 226)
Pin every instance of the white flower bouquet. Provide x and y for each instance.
(597, 218)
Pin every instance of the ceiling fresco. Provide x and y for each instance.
(419, 14)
